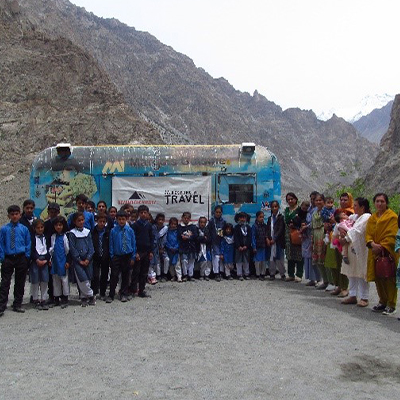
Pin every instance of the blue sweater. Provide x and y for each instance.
(22, 241)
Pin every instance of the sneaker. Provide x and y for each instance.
(144, 295)
(230, 278)
(179, 279)
(283, 277)
(44, 306)
(109, 300)
(92, 301)
(64, 305)
(18, 309)
(389, 311)
(240, 278)
(218, 278)
(103, 298)
(321, 286)
(297, 279)
(38, 305)
(84, 303)
(310, 283)
(123, 299)
(378, 308)
(247, 278)
(329, 288)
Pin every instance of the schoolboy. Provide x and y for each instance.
(15, 251)
(101, 258)
(27, 216)
(122, 253)
(144, 242)
(81, 202)
(187, 235)
(203, 250)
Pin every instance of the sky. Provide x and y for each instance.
(313, 54)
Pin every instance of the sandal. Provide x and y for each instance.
(363, 303)
(349, 300)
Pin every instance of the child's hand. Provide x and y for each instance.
(66, 265)
(40, 263)
(271, 242)
(150, 256)
(221, 257)
(132, 263)
(137, 257)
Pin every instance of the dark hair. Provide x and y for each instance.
(242, 214)
(228, 225)
(143, 207)
(61, 220)
(218, 207)
(362, 202)
(344, 194)
(329, 198)
(101, 202)
(337, 217)
(77, 215)
(320, 195)
(384, 195)
(291, 194)
(82, 197)
(187, 214)
(173, 219)
(101, 215)
(203, 218)
(37, 222)
(112, 207)
(91, 204)
(121, 213)
(274, 201)
(28, 202)
(259, 213)
(160, 215)
(126, 206)
(313, 193)
(13, 208)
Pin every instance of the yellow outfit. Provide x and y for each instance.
(382, 230)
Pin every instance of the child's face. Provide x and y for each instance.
(112, 213)
(173, 226)
(121, 221)
(186, 219)
(39, 229)
(218, 213)
(319, 202)
(202, 223)
(304, 207)
(28, 210)
(160, 222)
(242, 220)
(329, 204)
(343, 216)
(14, 216)
(101, 207)
(52, 213)
(274, 208)
(228, 231)
(260, 218)
(79, 222)
(58, 227)
(89, 208)
(144, 214)
(80, 205)
(101, 223)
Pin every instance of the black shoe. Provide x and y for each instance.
(56, 301)
(18, 310)
(262, 277)
(109, 300)
(218, 278)
(378, 308)
(31, 301)
(246, 278)
(1, 313)
(144, 295)
(84, 303)
(92, 301)
(206, 278)
(271, 277)
(43, 306)
(123, 299)
(64, 304)
(230, 278)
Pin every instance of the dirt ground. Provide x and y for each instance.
(203, 340)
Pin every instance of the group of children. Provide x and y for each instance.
(99, 249)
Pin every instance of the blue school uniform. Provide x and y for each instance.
(59, 251)
(39, 252)
(258, 241)
(228, 249)
(81, 248)
(89, 220)
(172, 246)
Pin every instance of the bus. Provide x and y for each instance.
(167, 178)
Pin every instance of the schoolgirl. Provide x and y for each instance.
(228, 250)
(259, 241)
(242, 236)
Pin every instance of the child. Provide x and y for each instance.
(259, 240)
(91, 207)
(27, 216)
(187, 235)
(328, 211)
(144, 242)
(122, 253)
(39, 270)
(161, 232)
(15, 251)
(112, 213)
(228, 250)
(242, 235)
(60, 261)
(102, 209)
(101, 257)
(172, 250)
(81, 202)
(276, 241)
(216, 227)
(203, 252)
(81, 248)
(343, 224)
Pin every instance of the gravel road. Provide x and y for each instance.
(203, 340)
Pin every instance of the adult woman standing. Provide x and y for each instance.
(356, 270)
(293, 251)
(380, 238)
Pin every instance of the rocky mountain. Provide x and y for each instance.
(188, 106)
(374, 125)
(384, 174)
(52, 90)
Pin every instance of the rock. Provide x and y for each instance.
(8, 178)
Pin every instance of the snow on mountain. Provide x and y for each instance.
(354, 113)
